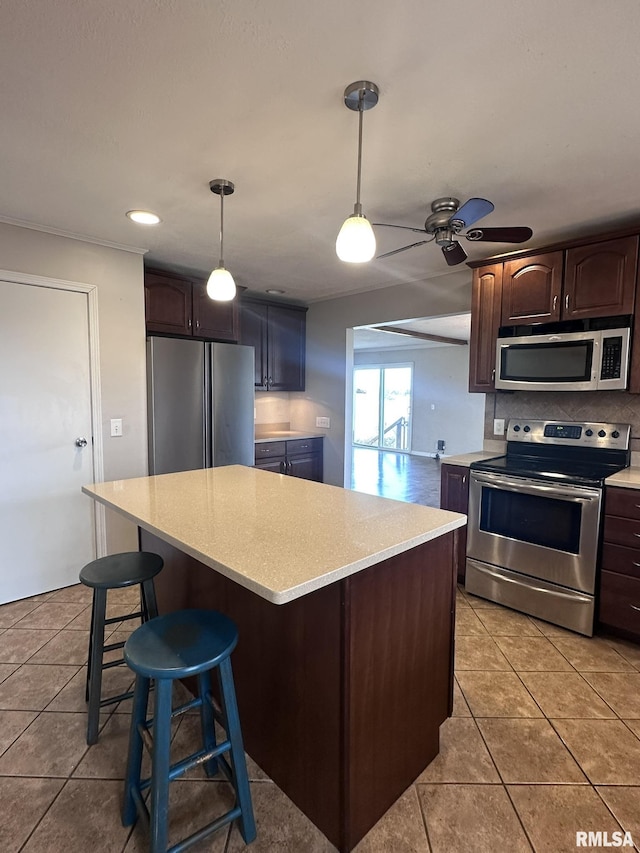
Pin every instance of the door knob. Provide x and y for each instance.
(81, 442)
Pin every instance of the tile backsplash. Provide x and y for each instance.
(598, 406)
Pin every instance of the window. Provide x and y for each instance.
(382, 406)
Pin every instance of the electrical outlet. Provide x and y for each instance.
(498, 426)
(323, 422)
(116, 426)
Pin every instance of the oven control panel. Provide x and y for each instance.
(609, 436)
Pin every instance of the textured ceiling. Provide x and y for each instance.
(108, 106)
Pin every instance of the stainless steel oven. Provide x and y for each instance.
(534, 519)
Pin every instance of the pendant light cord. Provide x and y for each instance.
(357, 209)
(221, 264)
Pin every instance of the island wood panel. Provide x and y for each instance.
(399, 676)
(342, 691)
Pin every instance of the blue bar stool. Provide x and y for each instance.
(114, 572)
(180, 644)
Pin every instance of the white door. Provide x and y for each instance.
(46, 523)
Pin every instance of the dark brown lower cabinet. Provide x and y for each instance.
(454, 495)
(299, 457)
(619, 599)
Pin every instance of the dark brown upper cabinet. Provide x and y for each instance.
(176, 305)
(600, 280)
(278, 334)
(485, 320)
(532, 289)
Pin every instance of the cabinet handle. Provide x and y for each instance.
(555, 302)
(270, 381)
(566, 302)
(197, 324)
(264, 380)
(189, 323)
(464, 478)
(493, 374)
(283, 467)
(633, 563)
(633, 607)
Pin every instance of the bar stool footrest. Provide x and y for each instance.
(229, 817)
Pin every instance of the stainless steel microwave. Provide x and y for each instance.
(593, 360)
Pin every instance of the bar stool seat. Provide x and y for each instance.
(116, 571)
(180, 644)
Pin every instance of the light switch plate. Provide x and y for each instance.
(498, 426)
(116, 427)
(323, 422)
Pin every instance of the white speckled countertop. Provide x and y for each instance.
(466, 459)
(628, 478)
(281, 537)
(284, 434)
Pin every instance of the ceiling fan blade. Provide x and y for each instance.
(454, 254)
(406, 227)
(403, 249)
(471, 211)
(500, 235)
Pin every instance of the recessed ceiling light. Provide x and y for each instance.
(273, 290)
(144, 217)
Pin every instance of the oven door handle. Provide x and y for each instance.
(560, 490)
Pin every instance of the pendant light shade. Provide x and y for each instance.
(356, 241)
(221, 285)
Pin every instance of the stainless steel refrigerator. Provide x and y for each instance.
(200, 399)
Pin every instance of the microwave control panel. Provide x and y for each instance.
(611, 358)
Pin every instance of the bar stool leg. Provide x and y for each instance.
(148, 600)
(95, 663)
(207, 721)
(86, 689)
(238, 762)
(160, 765)
(134, 759)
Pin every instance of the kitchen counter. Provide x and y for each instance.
(465, 459)
(345, 608)
(628, 478)
(284, 435)
(279, 539)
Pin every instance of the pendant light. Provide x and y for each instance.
(221, 285)
(356, 241)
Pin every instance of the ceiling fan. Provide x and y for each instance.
(448, 219)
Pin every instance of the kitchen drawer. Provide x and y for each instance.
(622, 531)
(623, 561)
(623, 502)
(620, 602)
(267, 449)
(304, 445)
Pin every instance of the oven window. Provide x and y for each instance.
(562, 362)
(546, 521)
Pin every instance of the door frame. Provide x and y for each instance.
(91, 291)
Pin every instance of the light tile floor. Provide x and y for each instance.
(544, 742)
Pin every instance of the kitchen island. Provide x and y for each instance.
(345, 607)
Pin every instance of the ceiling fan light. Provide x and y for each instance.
(356, 243)
(221, 285)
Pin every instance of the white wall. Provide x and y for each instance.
(118, 276)
(440, 380)
(330, 362)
